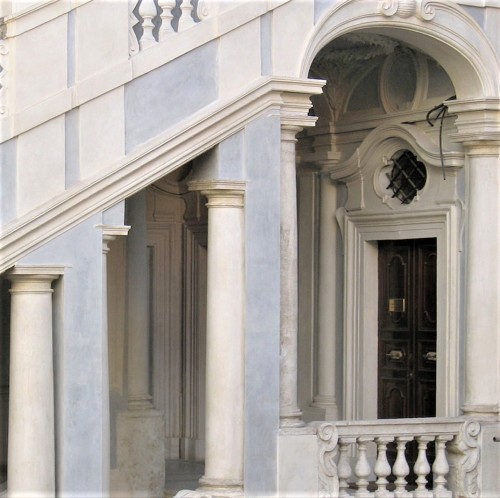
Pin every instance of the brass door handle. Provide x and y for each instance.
(430, 356)
(395, 354)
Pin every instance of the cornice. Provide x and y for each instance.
(147, 164)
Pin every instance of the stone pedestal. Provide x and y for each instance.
(141, 452)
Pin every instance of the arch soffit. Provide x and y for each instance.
(387, 139)
(439, 28)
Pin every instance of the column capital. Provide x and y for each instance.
(33, 278)
(110, 232)
(220, 193)
(478, 121)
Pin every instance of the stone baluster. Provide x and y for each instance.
(147, 10)
(401, 468)
(166, 18)
(186, 19)
(440, 468)
(362, 469)
(382, 468)
(422, 467)
(343, 468)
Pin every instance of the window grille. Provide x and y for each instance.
(407, 176)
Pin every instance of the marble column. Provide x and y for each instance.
(139, 396)
(482, 389)
(225, 338)
(290, 415)
(31, 448)
(140, 429)
(327, 295)
(109, 234)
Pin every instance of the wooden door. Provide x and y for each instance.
(407, 329)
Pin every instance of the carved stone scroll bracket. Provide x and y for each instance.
(464, 455)
(327, 446)
(423, 9)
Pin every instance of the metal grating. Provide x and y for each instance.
(407, 176)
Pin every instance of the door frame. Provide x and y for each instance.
(361, 232)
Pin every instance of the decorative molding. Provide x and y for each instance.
(422, 9)
(4, 75)
(402, 135)
(454, 39)
(147, 164)
(361, 230)
(327, 445)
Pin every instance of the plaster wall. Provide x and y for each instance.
(262, 236)
(41, 71)
(78, 342)
(156, 101)
(8, 181)
(40, 169)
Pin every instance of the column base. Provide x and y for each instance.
(140, 402)
(141, 452)
(293, 419)
(221, 488)
(328, 404)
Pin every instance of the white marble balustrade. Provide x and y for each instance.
(152, 21)
(363, 469)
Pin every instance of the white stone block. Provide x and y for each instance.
(100, 36)
(40, 171)
(41, 64)
(102, 136)
(298, 466)
(234, 73)
(296, 18)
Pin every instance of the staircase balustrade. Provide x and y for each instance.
(446, 464)
(153, 21)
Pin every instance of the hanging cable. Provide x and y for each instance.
(440, 112)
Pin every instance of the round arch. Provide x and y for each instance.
(439, 28)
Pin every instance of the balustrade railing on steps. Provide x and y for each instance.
(354, 458)
(153, 21)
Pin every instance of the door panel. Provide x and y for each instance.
(407, 329)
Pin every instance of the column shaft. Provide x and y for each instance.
(483, 279)
(327, 296)
(225, 338)
(139, 396)
(31, 449)
(290, 415)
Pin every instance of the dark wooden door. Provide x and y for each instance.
(407, 329)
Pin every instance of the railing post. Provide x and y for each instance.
(147, 11)
(166, 18)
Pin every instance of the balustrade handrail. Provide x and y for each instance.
(454, 464)
(431, 426)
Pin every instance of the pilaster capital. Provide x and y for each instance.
(296, 104)
(110, 232)
(221, 193)
(33, 278)
(478, 124)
